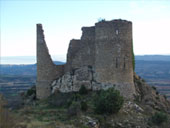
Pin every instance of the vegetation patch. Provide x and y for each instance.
(159, 117)
(6, 118)
(31, 91)
(83, 90)
(109, 101)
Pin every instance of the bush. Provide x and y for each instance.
(154, 88)
(143, 80)
(159, 117)
(101, 19)
(83, 90)
(109, 101)
(31, 91)
(76, 97)
(60, 100)
(84, 106)
(74, 109)
(157, 93)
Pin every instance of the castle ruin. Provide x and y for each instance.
(101, 59)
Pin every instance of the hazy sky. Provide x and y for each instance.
(62, 21)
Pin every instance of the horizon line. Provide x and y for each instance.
(64, 55)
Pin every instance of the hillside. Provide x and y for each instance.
(59, 113)
(79, 110)
(156, 73)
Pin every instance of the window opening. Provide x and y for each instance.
(116, 62)
(124, 65)
(117, 32)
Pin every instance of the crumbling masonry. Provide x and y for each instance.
(101, 59)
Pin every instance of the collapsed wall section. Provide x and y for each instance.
(47, 71)
(81, 52)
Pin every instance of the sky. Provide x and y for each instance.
(62, 21)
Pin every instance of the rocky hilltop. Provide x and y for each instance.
(96, 88)
(149, 109)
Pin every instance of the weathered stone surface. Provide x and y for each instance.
(107, 47)
(81, 52)
(70, 82)
(101, 59)
(113, 58)
(47, 71)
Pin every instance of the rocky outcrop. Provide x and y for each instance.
(149, 96)
(85, 76)
(72, 81)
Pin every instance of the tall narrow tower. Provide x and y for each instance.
(47, 71)
(113, 58)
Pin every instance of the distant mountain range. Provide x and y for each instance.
(26, 59)
(27, 70)
(153, 57)
(32, 59)
(30, 69)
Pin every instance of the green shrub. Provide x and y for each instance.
(84, 106)
(60, 100)
(157, 93)
(109, 101)
(74, 109)
(143, 80)
(139, 82)
(31, 91)
(101, 19)
(137, 98)
(133, 58)
(76, 97)
(154, 87)
(83, 90)
(159, 117)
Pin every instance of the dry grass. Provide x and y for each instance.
(6, 119)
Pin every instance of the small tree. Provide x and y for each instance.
(101, 19)
(84, 106)
(159, 117)
(83, 90)
(109, 101)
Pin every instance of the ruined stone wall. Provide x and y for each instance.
(81, 52)
(107, 47)
(47, 71)
(103, 55)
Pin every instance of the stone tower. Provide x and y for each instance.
(113, 55)
(47, 71)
